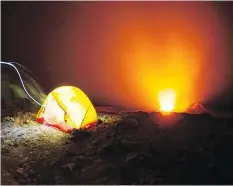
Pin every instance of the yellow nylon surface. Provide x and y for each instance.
(78, 108)
(40, 112)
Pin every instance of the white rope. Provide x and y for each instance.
(21, 80)
(25, 69)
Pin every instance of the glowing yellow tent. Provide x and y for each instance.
(66, 108)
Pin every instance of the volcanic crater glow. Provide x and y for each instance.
(167, 99)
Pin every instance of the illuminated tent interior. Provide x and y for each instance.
(67, 108)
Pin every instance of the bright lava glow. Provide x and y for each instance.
(167, 100)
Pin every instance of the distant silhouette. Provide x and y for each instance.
(197, 108)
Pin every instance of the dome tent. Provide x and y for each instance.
(67, 108)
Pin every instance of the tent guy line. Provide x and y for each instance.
(21, 80)
(25, 69)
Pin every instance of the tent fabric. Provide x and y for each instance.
(67, 108)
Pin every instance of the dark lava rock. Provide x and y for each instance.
(130, 123)
(32, 174)
(151, 180)
(139, 115)
(20, 174)
(22, 181)
(141, 159)
(68, 166)
(99, 122)
(135, 146)
(66, 159)
(16, 145)
(5, 150)
(135, 167)
(113, 150)
(71, 153)
(70, 162)
(79, 161)
(80, 134)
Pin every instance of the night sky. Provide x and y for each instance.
(82, 44)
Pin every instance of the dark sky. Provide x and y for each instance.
(77, 43)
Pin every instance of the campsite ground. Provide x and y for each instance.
(125, 148)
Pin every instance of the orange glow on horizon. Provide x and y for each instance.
(140, 49)
(170, 53)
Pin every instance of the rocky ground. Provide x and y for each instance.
(123, 148)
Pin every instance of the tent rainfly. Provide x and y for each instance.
(67, 108)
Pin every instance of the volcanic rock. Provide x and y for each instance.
(113, 150)
(130, 123)
(68, 166)
(142, 159)
(80, 134)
